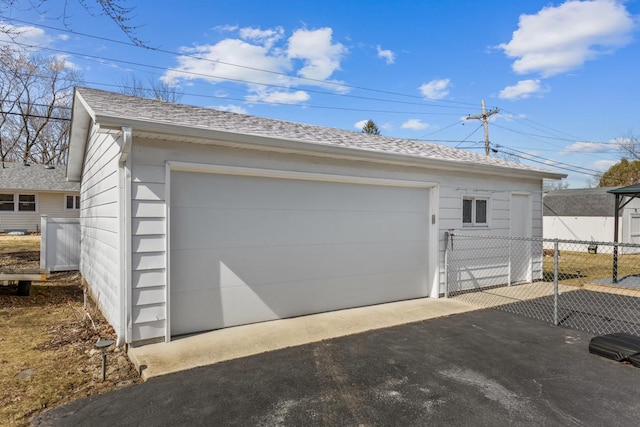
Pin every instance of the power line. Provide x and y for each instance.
(555, 162)
(323, 82)
(546, 162)
(204, 75)
(37, 116)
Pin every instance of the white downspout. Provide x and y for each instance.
(124, 163)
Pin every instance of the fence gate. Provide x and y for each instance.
(578, 284)
(60, 244)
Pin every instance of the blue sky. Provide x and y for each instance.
(563, 74)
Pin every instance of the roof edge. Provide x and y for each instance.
(235, 139)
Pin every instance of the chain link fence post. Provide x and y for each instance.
(556, 287)
(446, 263)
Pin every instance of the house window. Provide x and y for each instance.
(6, 202)
(73, 202)
(475, 212)
(27, 202)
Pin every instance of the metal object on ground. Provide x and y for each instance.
(102, 345)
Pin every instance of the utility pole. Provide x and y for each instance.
(485, 122)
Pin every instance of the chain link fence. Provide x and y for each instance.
(592, 286)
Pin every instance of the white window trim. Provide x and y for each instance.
(474, 198)
(76, 202)
(16, 203)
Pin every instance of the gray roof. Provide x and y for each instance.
(16, 176)
(629, 190)
(128, 109)
(579, 202)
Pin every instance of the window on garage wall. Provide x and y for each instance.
(475, 212)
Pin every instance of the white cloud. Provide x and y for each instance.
(415, 124)
(386, 54)
(435, 89)
(226, 28)
(259, 57)
(321, 57)
(561, 38)
(359, 125)
(522, 89)
(67, 62)
(231, 108)
(63, 37)
(587, 147)
(25, 35)
(263, 37)
(280, 97)
(603, 165)
(212, 63)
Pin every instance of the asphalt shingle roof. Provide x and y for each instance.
(126, 107)
(579, 202)
(16, 176)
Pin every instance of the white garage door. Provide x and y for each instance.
(246, 249)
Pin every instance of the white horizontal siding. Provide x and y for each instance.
(99, 213)
(149, 211)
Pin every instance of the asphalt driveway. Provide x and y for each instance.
(483, 368)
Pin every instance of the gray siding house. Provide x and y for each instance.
(588, 214)
(29, 191)
(194, 219)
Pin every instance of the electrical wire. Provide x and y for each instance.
(551, 161)
(200, 58)
(469, 136)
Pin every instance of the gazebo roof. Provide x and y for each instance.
(630, 190)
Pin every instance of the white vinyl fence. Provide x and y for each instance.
(60, 244)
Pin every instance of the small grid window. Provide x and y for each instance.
(474, 212)
(73, 202)
(6, 202)
(27, 202)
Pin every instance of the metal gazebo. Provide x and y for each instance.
(623, 196)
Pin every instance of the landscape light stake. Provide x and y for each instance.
(102, 345)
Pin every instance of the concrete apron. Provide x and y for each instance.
(240, 341)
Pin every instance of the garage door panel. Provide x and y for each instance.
(196, 311)
(261, 265)
(250, 249)
(232, 191)
(205, 309)
(224, 228)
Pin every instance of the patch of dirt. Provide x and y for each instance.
(48, 341)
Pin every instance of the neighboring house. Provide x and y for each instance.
(195, 219)
(29, 191)
(588, 214)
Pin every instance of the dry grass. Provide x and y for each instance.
(47, 341)
(582, 268)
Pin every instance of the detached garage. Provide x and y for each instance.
(195, 219)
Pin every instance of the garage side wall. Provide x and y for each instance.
(149, 159)
(99, 259)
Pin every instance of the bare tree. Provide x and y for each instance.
(555, 185)
(629, 145)
(36, 106)
(116, 10)
(156, 89)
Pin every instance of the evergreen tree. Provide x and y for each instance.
(371, 128)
